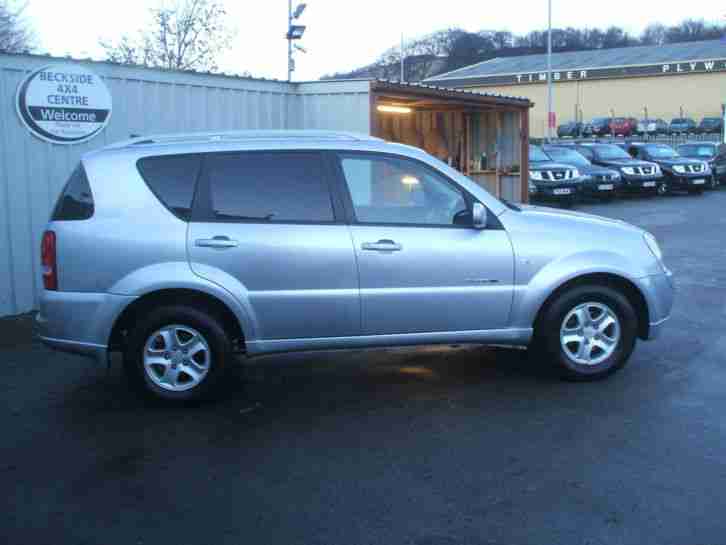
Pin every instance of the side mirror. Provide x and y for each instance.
(479, 216)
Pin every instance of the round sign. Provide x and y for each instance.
(64, 103)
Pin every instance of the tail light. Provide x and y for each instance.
(48, 261)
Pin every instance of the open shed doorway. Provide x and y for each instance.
(483, 136)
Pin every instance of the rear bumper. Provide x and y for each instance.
(79, 323)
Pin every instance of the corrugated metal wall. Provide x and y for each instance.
(145, 101)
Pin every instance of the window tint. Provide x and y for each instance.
(172, 178)
(268, 187)
(392, 190)
(76, 201)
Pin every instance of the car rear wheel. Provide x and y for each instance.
(177, 353)
(588, 332)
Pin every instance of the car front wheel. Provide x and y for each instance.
(588, 332)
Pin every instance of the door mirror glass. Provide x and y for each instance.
(479, 216)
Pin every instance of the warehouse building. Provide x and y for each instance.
(53, 110)
(669, 81)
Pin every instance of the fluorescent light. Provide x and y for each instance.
(394, 109)
(409, 181)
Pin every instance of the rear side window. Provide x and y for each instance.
(267, 187)
(76, 201)
(172, 178)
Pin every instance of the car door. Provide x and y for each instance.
(422, 265)
(265, 226)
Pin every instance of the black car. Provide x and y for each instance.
(600, 126)
(552, 181)
(682, 125)
(636, 176)
(710, 125)
(713, 153)
(681, 173)
(597, 181)
(569, 130)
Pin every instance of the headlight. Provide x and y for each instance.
(628, 170)
(653, 246)
(532, 188)
(680, 169)
(535, 175)
(706, 167)
(657, 170)
(616, 177)
(575, 173)
(586, 177)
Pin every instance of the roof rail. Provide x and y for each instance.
(239, 136)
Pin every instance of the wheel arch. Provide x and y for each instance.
(629, 289)
(176, 296)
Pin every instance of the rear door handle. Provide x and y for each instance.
(220, 242)
(384, 245)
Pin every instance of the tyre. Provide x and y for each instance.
(663, 190)
(588, 332)
(713, 182)
(177, 353)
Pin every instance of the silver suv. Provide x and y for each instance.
(181, 251)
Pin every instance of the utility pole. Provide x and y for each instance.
(403, 60)
(290, 66)
(549, 70)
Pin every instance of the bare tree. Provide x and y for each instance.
(15, 34)
(187, 36)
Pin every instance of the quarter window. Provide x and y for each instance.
(268, 187)
(400, 191)
(76, 201)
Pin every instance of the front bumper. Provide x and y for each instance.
(640, 184)
(697, 180)
(601, 188)
(659, 291)
(555, 191)
(79, 323)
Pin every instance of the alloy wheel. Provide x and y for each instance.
(590, 333)
(176, 358)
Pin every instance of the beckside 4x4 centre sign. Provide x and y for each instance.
(64, 103)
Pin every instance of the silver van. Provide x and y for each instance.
(181, 251)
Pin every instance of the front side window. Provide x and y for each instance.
(392, 190)
(268, 187)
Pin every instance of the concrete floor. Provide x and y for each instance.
(431, 446)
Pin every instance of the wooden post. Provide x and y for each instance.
(524, 153)
(498, 156)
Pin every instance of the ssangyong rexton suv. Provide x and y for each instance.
(181, 251)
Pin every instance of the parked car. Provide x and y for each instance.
(623, 126)
(599, 182)
(682, 125)
(600, 126)
(637, 176)
(710, 125)
(570, 130)
(550, 180)
(207, 245)
(680, 173)
(713, 153)
(652, 127)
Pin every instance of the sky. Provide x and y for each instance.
(344, 34)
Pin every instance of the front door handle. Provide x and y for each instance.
(383, 245)
(216, 242)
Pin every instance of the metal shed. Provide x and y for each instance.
(145, 101)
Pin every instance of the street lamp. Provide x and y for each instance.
(294, 32)
(550, 120)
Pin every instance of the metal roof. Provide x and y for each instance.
(449, 92)
(596, 58)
